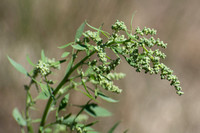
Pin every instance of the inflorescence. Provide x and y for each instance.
(140, 50)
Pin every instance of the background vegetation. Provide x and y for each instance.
(146, 104)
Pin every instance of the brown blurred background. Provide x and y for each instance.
(147, 104)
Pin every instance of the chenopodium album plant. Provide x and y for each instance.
(92, 75)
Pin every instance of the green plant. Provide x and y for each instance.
(92, 75)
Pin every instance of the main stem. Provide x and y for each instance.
(65, 80)
(28, 104)
(29, 126)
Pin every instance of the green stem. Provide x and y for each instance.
(65, 79)
(29, 126)
(29, 102)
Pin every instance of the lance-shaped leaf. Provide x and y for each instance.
(69, 120)
(90, 130)
(18, 117)
(106, 98)
(17, 66)
(99, 30)
(44, 94)
(63, 102)
(114, 127)
(66, 45)
(79, 31)
(96, 111)
(29, 61)
(43, 57)
(79, 47)
(65, 54)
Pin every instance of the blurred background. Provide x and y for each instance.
(147, 104)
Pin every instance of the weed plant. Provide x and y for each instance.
(92, 75)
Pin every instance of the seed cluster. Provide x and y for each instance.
(43, 67)
(102, 75)
(140, 49)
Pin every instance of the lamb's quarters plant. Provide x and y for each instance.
(93, 75)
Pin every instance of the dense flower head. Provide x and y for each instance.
(119, 25)
(140, 49)
(43, 66)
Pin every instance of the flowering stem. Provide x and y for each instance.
(28, 104)
(65, 80)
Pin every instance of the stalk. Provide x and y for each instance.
(28, 104)
(29, 126)
(65, 80)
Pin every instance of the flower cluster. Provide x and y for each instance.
(138, 53)
(116, 76)
(92, 35)
(101, 75)
(119, 25)
(80, 129)
(137, 48)
(43, 67)
(167, 73)
(145, 31)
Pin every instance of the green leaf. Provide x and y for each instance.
(17, 66)
(89, 71)
(91, 124)
(85, 87)
(48, 130)
(88, 95)
(63, 102)
(79, 31)
(96, 111)
(90, 130)
(29, 61)
(58, 62)
(18, 117)
(44, 94)
(65, 54)
(43, 57)
(69, 66)
(106, 98)
(106, 34)
(66, 45)
(79, 47)
(114, 127)
(132, 21)
(70, 119)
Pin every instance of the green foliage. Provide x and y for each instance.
(93, 75)
(113, 128)
(18, 117)
(17, 66)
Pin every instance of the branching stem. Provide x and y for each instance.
(65, 80)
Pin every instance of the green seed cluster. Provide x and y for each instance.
(145, 31)
(101, 54)
(92, 35)
(102, 75)
(167, 73)
(116, 76)
(137, 51)
(79, 129)
(140, 49)
(119, 25)
(108, 84)
(43, 67)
